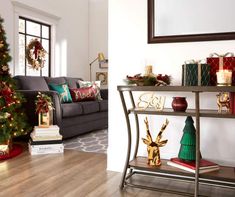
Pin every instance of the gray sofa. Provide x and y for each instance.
(73, 118)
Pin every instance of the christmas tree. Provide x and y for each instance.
(12, 119)
(188, 141)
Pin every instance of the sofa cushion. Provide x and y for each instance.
(90, 106)
(63, 91)
(72, 82)
(83, 94)
(55, 80)
(71, 109)
(94, 84)
(79, 108)
(103, 105)
(31, 83)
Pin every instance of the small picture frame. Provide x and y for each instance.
(103, 77)
(104, 65)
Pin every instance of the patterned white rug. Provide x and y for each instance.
(96, 141)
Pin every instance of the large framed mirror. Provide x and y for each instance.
(190, 20)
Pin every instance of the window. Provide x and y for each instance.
(28, 30)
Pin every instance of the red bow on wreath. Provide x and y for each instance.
(37, 47)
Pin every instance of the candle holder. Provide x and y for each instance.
(224, 77)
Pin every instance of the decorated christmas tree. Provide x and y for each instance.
(188, 141)
(12, 118)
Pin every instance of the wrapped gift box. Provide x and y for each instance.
(195, 74)
(218, 62)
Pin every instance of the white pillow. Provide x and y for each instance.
(94, 84)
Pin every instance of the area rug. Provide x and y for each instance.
(96, 141)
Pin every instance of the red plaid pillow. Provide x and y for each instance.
(83, 94)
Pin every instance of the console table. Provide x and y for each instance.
(225, 177)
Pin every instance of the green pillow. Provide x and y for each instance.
(63, 91)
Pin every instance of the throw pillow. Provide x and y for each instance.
(63, 91)
(94, 84)
(83, 94)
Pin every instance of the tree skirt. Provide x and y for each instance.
(16, 150)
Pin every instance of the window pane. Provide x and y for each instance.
(32, 72)
(45, 71)
(20, 70)
(45, 45)
(45, 31)
(21, 25)
(29, 38)
(32, 28)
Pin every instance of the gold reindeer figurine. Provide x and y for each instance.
(153, 147)
(223, 101)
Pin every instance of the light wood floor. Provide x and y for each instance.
(75, 174)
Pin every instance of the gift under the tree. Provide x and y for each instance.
(195, 74)
(221, 62)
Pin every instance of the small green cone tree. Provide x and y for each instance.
(188, 141)
(12, 118)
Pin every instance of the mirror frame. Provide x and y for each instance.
(152, 38)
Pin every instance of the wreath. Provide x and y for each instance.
(35, 54)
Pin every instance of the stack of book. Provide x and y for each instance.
(205, 165)
(46, 141)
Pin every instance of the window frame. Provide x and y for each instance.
(25, 34)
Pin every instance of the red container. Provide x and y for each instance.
(179, 104)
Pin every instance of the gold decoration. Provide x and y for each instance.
(44, 120)
(153, 147)
(35, 54)
(147, 100)
(223, 100)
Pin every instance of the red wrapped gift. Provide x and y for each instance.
(220, 62)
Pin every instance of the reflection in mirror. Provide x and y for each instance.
(190, 20)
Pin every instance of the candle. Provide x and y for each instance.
(149, 71)
(224, 77)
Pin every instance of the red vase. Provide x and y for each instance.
(179, 104)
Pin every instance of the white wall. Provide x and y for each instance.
(128, 54)
(71, 37)
(98, 33)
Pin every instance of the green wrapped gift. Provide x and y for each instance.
(195, 74)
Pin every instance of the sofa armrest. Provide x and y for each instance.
(29, 106)
(104, 94)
